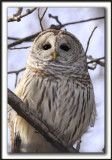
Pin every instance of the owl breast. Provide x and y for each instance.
(60, 103)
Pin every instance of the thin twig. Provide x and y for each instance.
(97, 60)
(56, 18)
(94, 64)
(89, 40)
(20, 48)
(44, 14)
(23, 40)
(34, 120)
(58, 27)
(51, 27)
(19, 11)
(13, 38)
(82, 21)
(40, 18)
(18, 18)
(16, 72)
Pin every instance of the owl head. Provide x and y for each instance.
(57, 47)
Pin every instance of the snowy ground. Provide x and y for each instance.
(93, 140)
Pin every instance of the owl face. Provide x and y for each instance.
(56, 47)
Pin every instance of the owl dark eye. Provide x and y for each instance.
(64, 47)
(46, 46)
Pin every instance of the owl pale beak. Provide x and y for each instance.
(54, 55)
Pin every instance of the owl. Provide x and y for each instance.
(55, 85)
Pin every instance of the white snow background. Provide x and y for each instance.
(93, 140)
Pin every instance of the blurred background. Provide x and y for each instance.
(93, 140)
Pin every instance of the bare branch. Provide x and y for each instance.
(20, 48)
(97, 61)
(51, 27)
(58, 27)
(82, 21)
(16, 72)
(56, 18)
(18, 18)
(23, 40)
(44, 14)
(89, 40)
(13, 38)
(35, 121)
(19, 11)
(93, 67)
(40, 18)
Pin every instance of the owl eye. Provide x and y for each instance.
(46, 46)
(64, 47)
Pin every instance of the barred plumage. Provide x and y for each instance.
(59, 90)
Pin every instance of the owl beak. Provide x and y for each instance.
(54, 55)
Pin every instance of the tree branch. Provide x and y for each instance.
(19, 11)
(58, 27)
(40, 18)
(18, 18)
(56, 18)
(89, 40)
(35, 122)
(23, 40)
(13, 38)
(17, 73)
(97, 60)
(20, 48)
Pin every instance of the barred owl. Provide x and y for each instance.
(56, 85)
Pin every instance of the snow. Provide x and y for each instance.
(93, 140)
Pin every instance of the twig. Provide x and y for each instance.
(18, 18)
(35, 121)
(13, 38)
(56, 18)
(82, 21)
(20, 70)
(58, 27)
(97, 61)
(20, 48)
(94, 64)
(19, 11)
(89, 40)
(40, 18)
(17, 73)
(44, 14)
(23, 40)
(51, 27)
